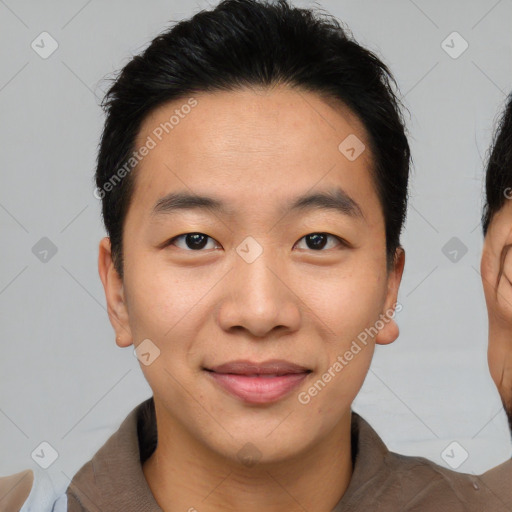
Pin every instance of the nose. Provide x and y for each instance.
(258, 299)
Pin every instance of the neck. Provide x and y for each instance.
(185, 475)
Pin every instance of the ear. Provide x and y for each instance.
(390, 331)
(114, 293)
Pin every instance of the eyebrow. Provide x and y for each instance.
(335, 199)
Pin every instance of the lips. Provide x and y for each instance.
(271, 367)
(258, 383)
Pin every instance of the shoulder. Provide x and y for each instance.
(15, 489)
(422, 483)
(384, 480)
(31, 490)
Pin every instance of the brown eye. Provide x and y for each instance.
(191, 241)
(318, 241)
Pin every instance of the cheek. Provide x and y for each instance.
(336, 387)
(167, 307)
(160, 300)
(347, 301)
(354, 305)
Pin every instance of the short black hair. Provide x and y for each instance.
(250, 43)
(498, 174)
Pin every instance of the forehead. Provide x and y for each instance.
(251, 146)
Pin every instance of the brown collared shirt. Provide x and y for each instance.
(382, 481)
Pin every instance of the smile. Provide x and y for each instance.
(258, 388)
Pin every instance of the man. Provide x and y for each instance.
(253, 174)
(496, 264)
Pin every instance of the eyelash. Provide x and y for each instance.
(171, 241)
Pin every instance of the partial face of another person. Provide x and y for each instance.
(496, 272)
(496, 266)
(251, 277)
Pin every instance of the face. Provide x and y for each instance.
(495, 266)
(256, 274)
(495, 271)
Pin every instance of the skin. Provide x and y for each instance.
(496, 272)
(256, 150)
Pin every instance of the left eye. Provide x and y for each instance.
(318, 241)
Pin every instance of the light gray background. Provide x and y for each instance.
(64, 380)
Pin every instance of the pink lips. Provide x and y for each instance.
(258, 383)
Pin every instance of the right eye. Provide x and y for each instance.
(192, 241)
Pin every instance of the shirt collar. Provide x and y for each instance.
(113, 479)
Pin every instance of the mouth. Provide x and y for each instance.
(258, 383)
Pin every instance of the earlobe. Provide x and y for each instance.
(390, 331)
(114, 294)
